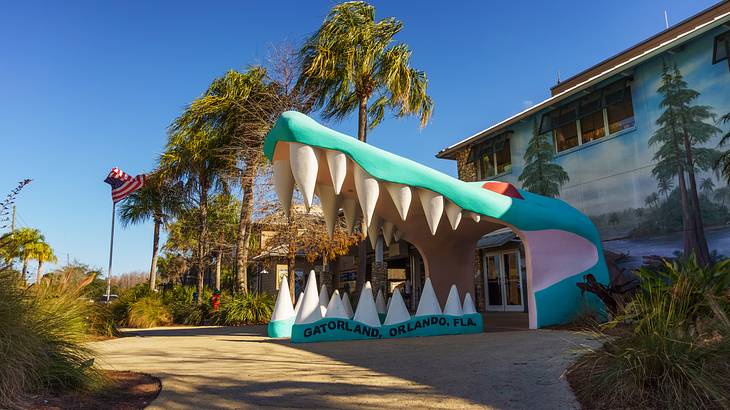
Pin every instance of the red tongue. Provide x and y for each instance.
(503, 188)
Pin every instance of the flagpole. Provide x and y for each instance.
(111, 253)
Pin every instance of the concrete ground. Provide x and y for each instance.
(231, 367)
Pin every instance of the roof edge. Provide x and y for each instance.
(448, 152)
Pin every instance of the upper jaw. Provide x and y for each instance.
(342, 183)
(356, 177)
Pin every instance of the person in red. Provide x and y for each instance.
(215, 300)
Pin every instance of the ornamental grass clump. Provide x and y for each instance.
(149, 311)
(246, 309)
(669, 349)
(42, 331)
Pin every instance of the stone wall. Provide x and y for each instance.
(466, 170)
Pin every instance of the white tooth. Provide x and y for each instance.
(397, 311)
(337, 162)
(304, 166)
(453, 212)
(475, 217)
(367, 192)
(349, 208)
(374, 231)
(283, 183)
(328, 199)
(397, 235)
(453, 303)
(433, 207)
(388, 228)
(401, 195)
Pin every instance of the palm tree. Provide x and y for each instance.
(20, 244)
(723, 163)
(706, 186)
(192, 158)
(352, 59)
(240, 108)
(665, 186)
(42, 252)
(157, 200)
(652, 199)
(355, 65)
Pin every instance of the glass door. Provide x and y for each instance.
(503, 281)
(493, 281)
(512, 281)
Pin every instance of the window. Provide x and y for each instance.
(721, 50)
(600, 113)
(619, 108)
(494, 157)
(590, 112)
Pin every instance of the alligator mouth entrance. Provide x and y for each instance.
(443, 233)
(442, 217)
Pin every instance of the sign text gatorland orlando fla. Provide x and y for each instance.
(330, 329)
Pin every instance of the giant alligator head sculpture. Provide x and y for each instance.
(441, 216)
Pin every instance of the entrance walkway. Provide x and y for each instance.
(240, 368)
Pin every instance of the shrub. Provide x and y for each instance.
(100, 320)
(179, 300)
(148, 311)
(120, 307)
(673, 350)
(246, 309)
(42, 330)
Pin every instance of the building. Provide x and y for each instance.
(600, 123)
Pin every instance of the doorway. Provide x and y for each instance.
(503, 281)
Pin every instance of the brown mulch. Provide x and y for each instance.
(126, 391)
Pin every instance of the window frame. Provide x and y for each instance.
(490, 149)
(725, 36)
(555, 113)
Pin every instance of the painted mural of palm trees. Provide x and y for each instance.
(707, 185)
(665, 187)
(652, 200)
(683, 128)
(723, 163)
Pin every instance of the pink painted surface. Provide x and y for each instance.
(556, 255)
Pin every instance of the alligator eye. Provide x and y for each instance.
(503, 188)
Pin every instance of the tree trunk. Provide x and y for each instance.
(155, 250)
(702, 252)
(203, 235)
(244, 234)
(25, 268)
(687, 220)
(362, 120)
(292, 261)
(362, 247)
(291, 257)
(362, 257)
(218, 259)
(39, 274)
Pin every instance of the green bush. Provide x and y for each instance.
(179, 299)
(149, 311)
(673, 347)
(120, 307)
(42, 330)
(245, 309)
(100, 320)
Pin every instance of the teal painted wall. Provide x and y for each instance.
(611, 178)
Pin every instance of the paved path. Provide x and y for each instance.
(240, 368)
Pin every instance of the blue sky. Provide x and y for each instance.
(91, 85)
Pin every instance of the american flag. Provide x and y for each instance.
(123, 184)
